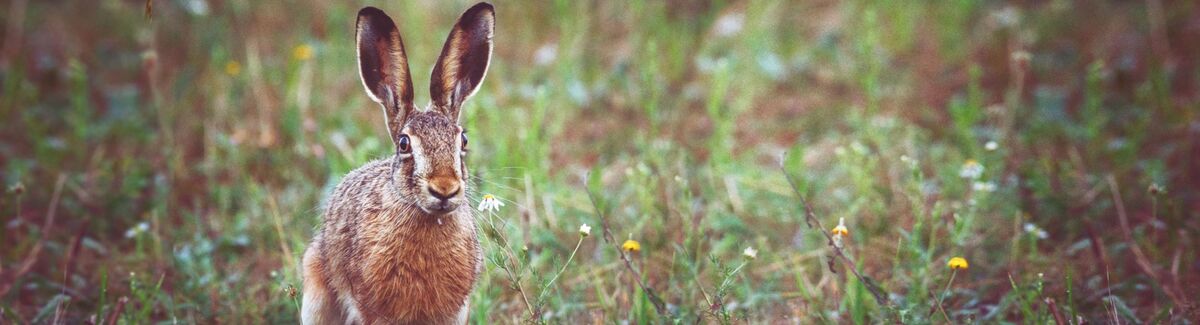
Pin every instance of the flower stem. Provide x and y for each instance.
(731, 274)
(512, 264)
(942, 298)
(560, 271)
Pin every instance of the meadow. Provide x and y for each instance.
(781, 162)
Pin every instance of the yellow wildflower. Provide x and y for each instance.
(957, 263)
(631, 246)
(233, 68)
(302, 52)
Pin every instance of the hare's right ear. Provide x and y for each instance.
(383, 66)
(464, 60)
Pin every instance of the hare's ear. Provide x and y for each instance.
(383, 67)
(464, 60)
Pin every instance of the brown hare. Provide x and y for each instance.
(399, 243)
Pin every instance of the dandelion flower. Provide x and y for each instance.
(490, 203)
(585, 230)
(971, 169)
(957, 263)
(302, 52)
(750, 253)
(841, 229)
(631, 245)
(233, 68)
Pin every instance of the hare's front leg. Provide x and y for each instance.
(320, 305)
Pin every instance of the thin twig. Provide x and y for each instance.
(659, 306)
(283, 246)
(811, 219)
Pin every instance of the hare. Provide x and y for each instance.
(399, 242)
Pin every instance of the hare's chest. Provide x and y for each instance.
(429, 278)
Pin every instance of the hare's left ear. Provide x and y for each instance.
(464, 60)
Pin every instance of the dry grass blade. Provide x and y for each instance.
(36, 251)
(1058, 316)
(116, 312)
(1140, 257)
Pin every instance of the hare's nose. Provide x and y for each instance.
(444, 188)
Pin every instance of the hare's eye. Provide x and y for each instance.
(403, 145)
(464, 139)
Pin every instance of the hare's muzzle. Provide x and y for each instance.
(444, 191)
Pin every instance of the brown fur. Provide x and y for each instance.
(399, 243)
(395, 261)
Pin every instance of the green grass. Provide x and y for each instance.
(675, 124)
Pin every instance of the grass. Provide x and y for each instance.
(170, 166)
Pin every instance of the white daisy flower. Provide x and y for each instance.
(137, 229)
(1036, 231)
(971, 169)
(490, 203)
(750, 253)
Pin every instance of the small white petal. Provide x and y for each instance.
(750, 252)
(984, 186)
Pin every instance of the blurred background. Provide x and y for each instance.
(166, 160)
